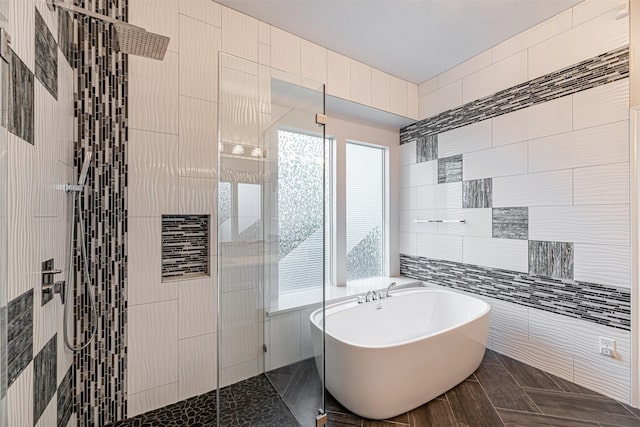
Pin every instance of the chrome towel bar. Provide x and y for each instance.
(421, 221)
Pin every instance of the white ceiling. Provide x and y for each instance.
(411, 39)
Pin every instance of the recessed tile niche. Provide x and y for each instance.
(185, 246)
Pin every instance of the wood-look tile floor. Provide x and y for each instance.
(502, 392)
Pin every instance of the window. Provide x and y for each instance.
(365, 182)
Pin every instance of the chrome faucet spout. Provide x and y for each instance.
(370, 296)
(389, 289)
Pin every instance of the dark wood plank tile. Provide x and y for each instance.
(337, 419)
(582, 407)
(436, 413)
(376, 423)
(524, 419)
(471, 406)
(528, 376)
(402, 418)
(502, 389)
(570, 387)
(490, 358)
(332, 404)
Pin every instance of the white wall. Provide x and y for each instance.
(567, 160)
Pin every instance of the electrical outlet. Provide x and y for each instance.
(608, 347)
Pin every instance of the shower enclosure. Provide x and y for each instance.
(272, 205)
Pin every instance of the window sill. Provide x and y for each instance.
(313, 297)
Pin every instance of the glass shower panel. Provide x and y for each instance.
(270, 238)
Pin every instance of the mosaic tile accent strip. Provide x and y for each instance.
(551, 259)
(185, 246)
(19, 335)
(45, 373)
(597, 71)
(46, 69)
(65, 399)
(510, 223)
(450, 169)
(601, 304)
(101, 125)
(477, 193)
(21, 99)
(427, 148)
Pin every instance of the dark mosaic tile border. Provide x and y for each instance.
(185, 246)
(101, 112)
(19, 335)
(45, 371)
(601, 304)
(593, 72)
(46, 59)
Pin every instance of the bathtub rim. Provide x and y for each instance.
(352, 304)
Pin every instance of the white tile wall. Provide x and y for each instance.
(548, 118)
(239, 34)
(601, 105)
(587, 147)
(285, 51)
(199, 47)
(203, 10)
(465, 139)
(198, 148)
(152, 334)
(399, 96)
(500, 161)
(606, 184)
(469, 66)
(439, 246)
(338, 75)
(148, 400)
(602, 264)
(502, 74)
(284, 339)
(20, 399)
(408, 153)
(313, 61)
(424, 173)
(360, 82)
(537, 189)
(447, 195)
(158, 16)
(197, 365)
(196, 302)
(509, 254)
(587, 10)
(49, 417)
(442, 99)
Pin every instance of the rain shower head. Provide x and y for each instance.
(85, 168)
(132, 40)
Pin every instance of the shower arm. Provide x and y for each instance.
(68, 5)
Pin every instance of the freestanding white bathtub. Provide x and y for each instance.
(386, 357)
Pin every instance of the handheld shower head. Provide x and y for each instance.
(85, 168)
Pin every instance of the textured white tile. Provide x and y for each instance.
(405, 221)
(145, 275)
(535, 189)
(157, 16)
(594, 37)
(439, 246)
(313, 61)
(499, 161)
(240, 345)
(64, 113)
(423, 173)
(204, 10)
(264, 33)
(412, 112)
(496, 77)
(509, 254)
(602, 224)
(440, 100)
(605, 264)
(408, 153)
(20, 399)
(548, 118)
(238, 308)
(465, 139)
(509, 325)
(240, 106)
(197, 307)
(239, 34)
(427, 86)
(153, 94)
(405, 176)
(306, 345)
(148, 400)
(22, 263)
(198, 365)
(22, 30)
(467, 67)
(478, 222)
(546, 29)
(50, 17)
(360, 82)
(45, 317)
(239, 372)
(49, 417)
(405, 198)
(198, 197)
(152, 358)
(603, 104)
(264, 54)
(199, 47)
(587, 147)
(398, 96)
(606, 184)
(153, 168)
(198, 138)
(285, 51)
(447, 195)
(589, 9)
(338, 75)
(65, 357)
(407, 243)
(284, 343)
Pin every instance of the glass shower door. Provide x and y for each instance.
(270, 244)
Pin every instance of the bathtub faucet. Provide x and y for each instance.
(371, 296)
(389, 289)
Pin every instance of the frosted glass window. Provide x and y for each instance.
(365, 211)
(299, 213)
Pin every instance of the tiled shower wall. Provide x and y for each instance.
(40, 160)
(528, 143)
